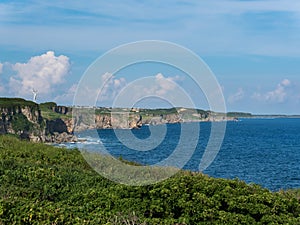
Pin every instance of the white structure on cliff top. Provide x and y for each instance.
(34, 94)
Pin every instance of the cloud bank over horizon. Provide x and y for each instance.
(277, 95)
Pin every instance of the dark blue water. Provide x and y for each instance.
(261, 151)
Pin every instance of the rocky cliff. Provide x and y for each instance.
(163, 119)
(24, 118)
(83, 120)
(18, 115)
(48, 122)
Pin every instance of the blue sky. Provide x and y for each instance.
(253, 47)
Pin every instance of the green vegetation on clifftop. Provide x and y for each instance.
(48, 111)
(41, 184)
(12, 102)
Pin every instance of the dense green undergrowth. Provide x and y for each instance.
(40, 184)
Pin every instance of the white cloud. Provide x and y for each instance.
(239, 95)
(156, 87)
(111, 86)
(41, 73)
(1, 68)
(162, 85)
(165, 84)
(285, 82)
(124, 93)
(279, 94)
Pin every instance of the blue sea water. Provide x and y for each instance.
(261, 151)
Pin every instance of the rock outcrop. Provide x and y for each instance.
(24, 118)
(163, 119)
(19, 119)
(106, 121)
(62, 110)
(56, 126)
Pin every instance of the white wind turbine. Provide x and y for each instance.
(34, 94)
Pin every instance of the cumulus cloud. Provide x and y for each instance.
(158, 88)
(111, 86)
(165, 84)
(239, 95)
(279, 94)
(162, 85)
(41, 73)
(285, 82)
(1, 68)
(157, 85)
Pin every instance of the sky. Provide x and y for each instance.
(252, 47)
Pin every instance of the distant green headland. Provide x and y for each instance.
(49, 122)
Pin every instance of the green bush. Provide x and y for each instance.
(41, 184)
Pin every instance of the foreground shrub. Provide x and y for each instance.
(40, 184)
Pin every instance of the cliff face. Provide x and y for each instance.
(51, 123)
(24, 118)
(106, 121)
(62, 110)
(48, 122)
(17, 119)
(163, 119)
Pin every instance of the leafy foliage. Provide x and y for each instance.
(41, 184)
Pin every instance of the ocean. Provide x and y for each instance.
(261, 151)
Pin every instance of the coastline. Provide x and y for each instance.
(49, 122)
